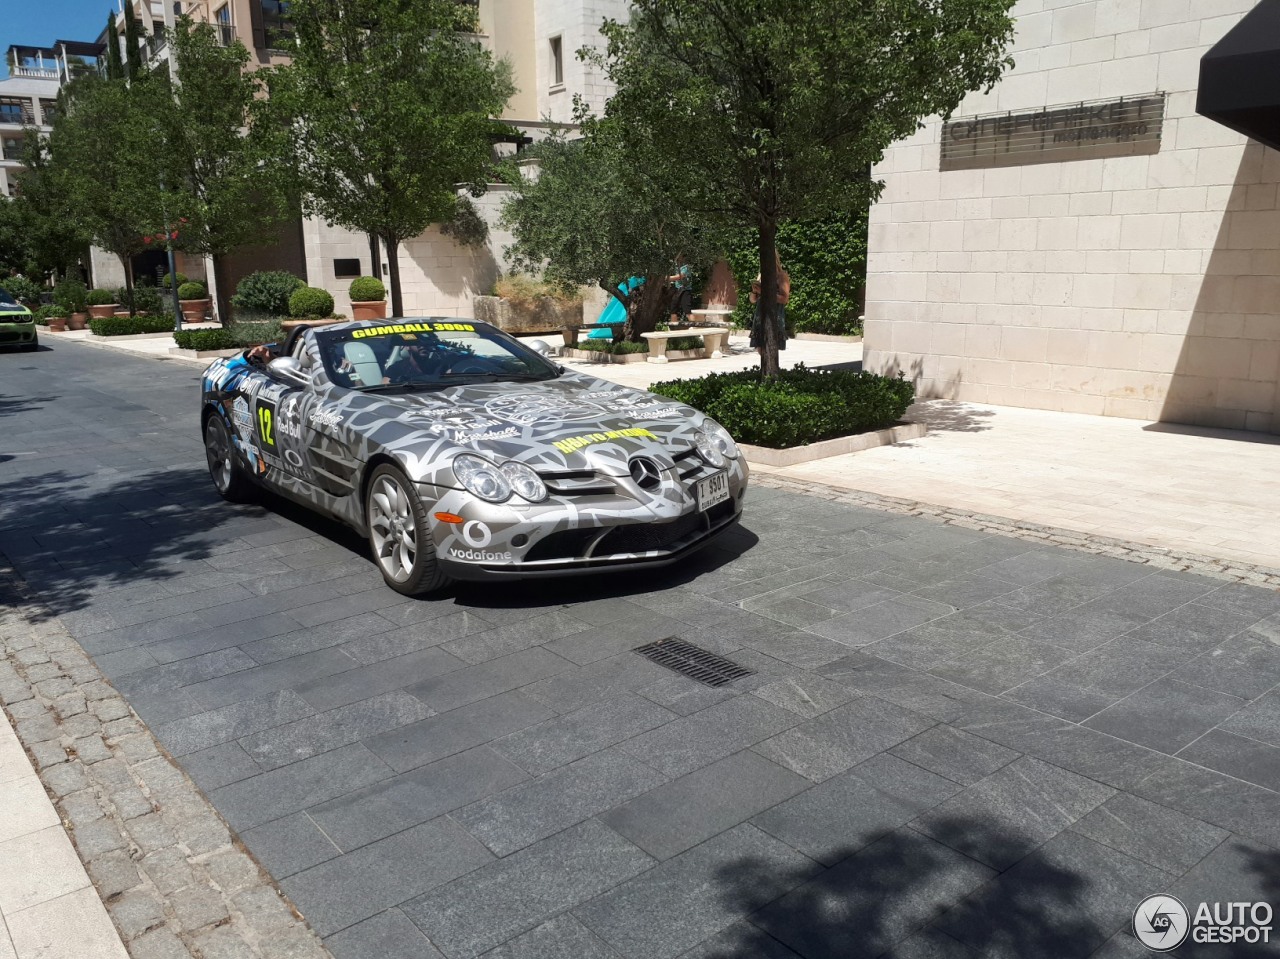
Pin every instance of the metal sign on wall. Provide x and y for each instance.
(1079, 131)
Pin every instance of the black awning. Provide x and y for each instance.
(1240, 76)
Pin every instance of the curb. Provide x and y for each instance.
(765, 456)
(1157, 556)
(174, 878)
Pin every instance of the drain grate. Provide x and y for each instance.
(692, 661)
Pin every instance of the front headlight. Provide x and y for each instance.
(708, 448)
(524, 481)
(477, 475)
(721, 438)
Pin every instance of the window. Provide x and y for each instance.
(276, 26)
(16, 110)
(557, 61)
(226, 34)
(346, 268)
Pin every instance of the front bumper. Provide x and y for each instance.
(17, 333)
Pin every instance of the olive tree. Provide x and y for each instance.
(777, 108)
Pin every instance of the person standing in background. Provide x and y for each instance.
(780, 308)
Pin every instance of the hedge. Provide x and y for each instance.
(130, 325)
(797, 407)
(220, 339)
(192, 291)
(608, 346)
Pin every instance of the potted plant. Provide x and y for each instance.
(57, 318)
(368, 299)
(101, 303)
(70, 294)
(195, 302)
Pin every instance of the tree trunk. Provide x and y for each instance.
(768, 302)
(393, 267)
(128, 282)
(647, 308)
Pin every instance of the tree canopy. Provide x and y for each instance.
(778, 108)
(595, 215)
(389, 105)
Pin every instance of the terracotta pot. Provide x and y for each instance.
(78, 321)
(57, 324)
(368, 309)
(194, 311)
(100, 312)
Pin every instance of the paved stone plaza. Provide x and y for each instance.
(953, 743)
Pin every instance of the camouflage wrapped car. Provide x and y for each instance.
(462, 454)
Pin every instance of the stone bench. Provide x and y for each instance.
(572, 333)
(713, 338)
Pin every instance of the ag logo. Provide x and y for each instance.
(1161, 923)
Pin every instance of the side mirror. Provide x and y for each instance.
(287, 367)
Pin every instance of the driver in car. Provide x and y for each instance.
(414, 363)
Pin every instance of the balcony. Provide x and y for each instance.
(12, 150)
(35, 73)
(12, 114)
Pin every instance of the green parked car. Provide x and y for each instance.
(17, 325)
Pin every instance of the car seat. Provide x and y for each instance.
(361, 356)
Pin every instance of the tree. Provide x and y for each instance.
(779, 107)
(389, 103)
(107, 169)
(43, 238)
(218, 140)
(628, 223)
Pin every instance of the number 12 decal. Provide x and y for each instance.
(267, 424)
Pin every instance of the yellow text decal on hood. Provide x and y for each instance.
(578, 442)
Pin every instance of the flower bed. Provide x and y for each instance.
(797, 407)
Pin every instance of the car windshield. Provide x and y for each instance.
(427, 354)
(6, 298)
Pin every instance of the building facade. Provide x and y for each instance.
(1081, 238)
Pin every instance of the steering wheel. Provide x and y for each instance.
(470, 364)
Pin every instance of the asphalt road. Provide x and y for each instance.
(952, 744)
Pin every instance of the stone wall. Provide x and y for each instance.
(1140, 286)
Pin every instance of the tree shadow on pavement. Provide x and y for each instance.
(907, 896)
(948, 416)
(75, 536)
(13, 405)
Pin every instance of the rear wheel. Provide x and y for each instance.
(399, 535)
(228, 477)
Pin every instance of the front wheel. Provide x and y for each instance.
(399, 536)
(228, 477)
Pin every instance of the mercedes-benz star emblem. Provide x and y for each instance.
(645, 472)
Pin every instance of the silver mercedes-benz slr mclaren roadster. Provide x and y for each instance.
(463, 454)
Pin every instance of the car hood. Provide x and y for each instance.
(570, 423)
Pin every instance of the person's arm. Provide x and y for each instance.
(784, 287)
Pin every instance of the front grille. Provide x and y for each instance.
(645, 537)
(693, 661)
(688, 463)
(576, 483)
(13, 337)
(564, 544)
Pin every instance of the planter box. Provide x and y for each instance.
(103, 311)
(595, 356)
(764, 456)
(546, 315)
(827, 338)
(368, 309)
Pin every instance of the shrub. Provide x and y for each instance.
(310, 301)
(53, 310)
(23, 290)
(99, 297)
(367, 289)
(130, 325)
(146, 299)
(166, 281)
(797, 407)
(219, 339)
(524, 291)
(191, 291)
(685, 343)
(607, 346)
(251, 334)
(71, 295)
(266, 293)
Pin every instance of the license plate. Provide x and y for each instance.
(712, 490)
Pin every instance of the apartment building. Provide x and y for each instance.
(1100, 233)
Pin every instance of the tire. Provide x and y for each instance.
(224, 469)
(399, 536)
